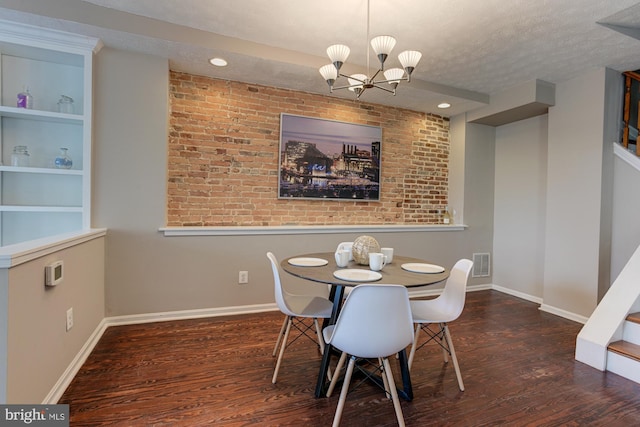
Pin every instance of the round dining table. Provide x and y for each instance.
(321, 268)
(392, 273)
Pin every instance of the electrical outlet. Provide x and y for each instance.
(70, 318)
(243, 277)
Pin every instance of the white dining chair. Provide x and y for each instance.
(439, 311)
(296, 308)
(375, 323)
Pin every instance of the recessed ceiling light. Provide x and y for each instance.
(218, 62)
(444, 105)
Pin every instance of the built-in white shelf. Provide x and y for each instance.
(50, 116)
(39, 201)
(6, 208)
(51, 171)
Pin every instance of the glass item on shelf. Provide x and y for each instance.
(65, 104)
(25, 100)
(447, 218)
(20, 156)
(63, 161)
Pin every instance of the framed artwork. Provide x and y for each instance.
(328, 159)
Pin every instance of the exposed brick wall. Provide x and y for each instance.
(223, 158)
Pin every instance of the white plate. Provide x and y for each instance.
(356, 275)
(308, 262)
(417, 267)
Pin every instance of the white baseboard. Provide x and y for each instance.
(73, 368)
(63, 382)
(474, 288)
(67, 376)
(517, 294)
(435, 292)
(189, 314)
(543, 307)
(563, 313)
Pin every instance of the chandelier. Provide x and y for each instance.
(358, 83)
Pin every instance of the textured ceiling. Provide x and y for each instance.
(471, 49)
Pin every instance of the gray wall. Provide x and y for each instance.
(554, 197)
(520, 205)
(39, 349)
(611, 112)
(574, 220)
(626, 205)
(130, 143)
(479, 143)
(150, 273)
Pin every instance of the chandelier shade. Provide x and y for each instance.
(393, 76)
(329, 73)
(382, 46)
(358, 83)
(338, 54)
(409, 60)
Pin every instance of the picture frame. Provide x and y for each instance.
(328, 159)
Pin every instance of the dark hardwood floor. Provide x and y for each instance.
(517, 364)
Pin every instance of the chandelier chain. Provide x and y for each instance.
(366, 42)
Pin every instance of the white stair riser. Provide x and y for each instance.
(631, 332)
(623, 366)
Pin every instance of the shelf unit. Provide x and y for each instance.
(40, 200)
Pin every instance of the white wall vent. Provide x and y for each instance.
(481, 265)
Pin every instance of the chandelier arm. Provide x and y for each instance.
(386, 89)
(352, 78)
(349, 85)
(372, 79)
(375, 75)
(403, 79)
(344, 87)
(375, 84)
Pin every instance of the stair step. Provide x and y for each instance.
(634, 317)
(625, 348)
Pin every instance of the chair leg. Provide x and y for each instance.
(334, 380)
(453, 357)
(394, 392)
(284, 325)
(282, 347)
(319, 334)
(344, 391)
(413, 346)
(443, 341)
(384, 378)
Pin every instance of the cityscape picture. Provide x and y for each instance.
(327, 159)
